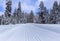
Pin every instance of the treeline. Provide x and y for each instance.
(43, 16)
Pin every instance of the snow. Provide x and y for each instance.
(30, 32)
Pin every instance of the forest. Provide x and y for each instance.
(43, 16)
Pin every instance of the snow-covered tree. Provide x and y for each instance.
(14, 17)
(43, 14)
(30, 17)
(0, 19)
(15, 13)
(58, 14)
(8, 8)
(19, 13)
(6, 18)
(54, 13)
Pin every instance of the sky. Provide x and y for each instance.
(26, 5)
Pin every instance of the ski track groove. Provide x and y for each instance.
(30, 32)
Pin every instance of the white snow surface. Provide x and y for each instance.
(30, 32)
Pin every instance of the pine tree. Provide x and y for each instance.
(43, 14)
(0, 19)
(14, 17)
(25, 17)
(8, 8)
(58, 19)
(19, 13)
(54, 13)
(6, 19)
(15, 13)
(30, 17)
(19, 10)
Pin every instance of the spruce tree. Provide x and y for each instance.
(19, 13)
(54, 13)
(43, 13)
(15, 13)
(30, 17)
(59, 13)
(8, 8)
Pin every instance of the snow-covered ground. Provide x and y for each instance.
(30, 32)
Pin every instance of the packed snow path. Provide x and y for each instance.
(30, 32)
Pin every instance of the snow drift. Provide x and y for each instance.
(30, 32)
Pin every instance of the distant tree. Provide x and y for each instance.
(55, 5)
(59, 13)
(15, 13)
(41, 6)
(19, 13)
(30, 17)
(0, 19)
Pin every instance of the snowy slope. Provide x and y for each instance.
(30, 32)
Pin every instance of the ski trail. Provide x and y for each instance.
(29, 32)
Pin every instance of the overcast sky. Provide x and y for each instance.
(26, 5)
